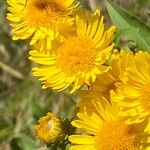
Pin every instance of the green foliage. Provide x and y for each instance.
(145, 2)
(22, 142)
(128, 25)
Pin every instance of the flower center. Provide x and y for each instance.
(115, 135)
(40, 5)
(44, 12)
(145, 97)
(77, 55)
(47, 125)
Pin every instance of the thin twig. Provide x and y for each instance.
(11, 71)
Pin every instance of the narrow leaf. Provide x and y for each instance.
(130, 26)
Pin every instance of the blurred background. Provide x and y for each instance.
(22, 101)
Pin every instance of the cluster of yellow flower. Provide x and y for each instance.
(114, 112)
(74, 50)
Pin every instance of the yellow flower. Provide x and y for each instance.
(39, 19)
(48, 128)
(103, 129)
(135, 89)
(108, 81)
(79, 58)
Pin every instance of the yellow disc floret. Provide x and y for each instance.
(77, 54)
(116, 135)
(46, 13)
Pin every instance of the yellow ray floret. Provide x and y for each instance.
(110, 80)
(135, 88)
(48, 128)
(79, 58)
(103, 129)
(40, 19)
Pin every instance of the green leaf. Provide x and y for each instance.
(144, 3)
(128, 25)
(22, 142)
(36, 109)
(129, 32)
(5, 132)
